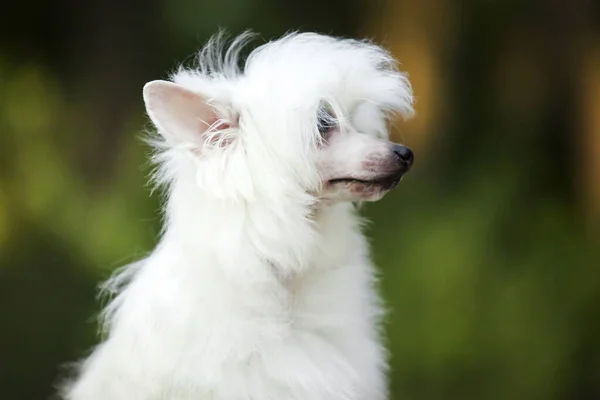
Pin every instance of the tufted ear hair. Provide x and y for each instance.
(181, 115)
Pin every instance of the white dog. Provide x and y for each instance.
(261, 287)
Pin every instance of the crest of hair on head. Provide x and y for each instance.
(220, 57)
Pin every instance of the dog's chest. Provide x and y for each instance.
(315, 335)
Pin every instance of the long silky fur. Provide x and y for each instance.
(256, 291)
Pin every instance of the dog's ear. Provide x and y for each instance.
(181, 114)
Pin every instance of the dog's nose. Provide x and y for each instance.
(404, 154)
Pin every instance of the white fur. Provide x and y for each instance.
(259, 289)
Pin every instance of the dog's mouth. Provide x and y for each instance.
(383, 183)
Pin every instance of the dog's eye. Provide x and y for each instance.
(325, 124)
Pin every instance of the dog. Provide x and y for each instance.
(261, 287)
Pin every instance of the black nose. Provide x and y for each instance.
(404, 154)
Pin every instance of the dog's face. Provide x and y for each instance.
(354, 165)
(308, 114)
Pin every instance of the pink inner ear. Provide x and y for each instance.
(223, 125)
(220, 125)
(185, 115)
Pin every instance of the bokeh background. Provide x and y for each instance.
(489, 250)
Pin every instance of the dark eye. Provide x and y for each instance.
(325, 123)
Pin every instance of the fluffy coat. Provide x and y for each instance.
(261, 287)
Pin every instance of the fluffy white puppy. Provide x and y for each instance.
(261, 287)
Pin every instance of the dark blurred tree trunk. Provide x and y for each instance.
(589, 140)
(556, 52)
(113, 51)
(419, 34)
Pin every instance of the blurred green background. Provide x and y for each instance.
(489, 250)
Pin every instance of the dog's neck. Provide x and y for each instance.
(287, 236)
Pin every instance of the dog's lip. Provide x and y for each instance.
(386, 182)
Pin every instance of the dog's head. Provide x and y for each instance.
(305, 117)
